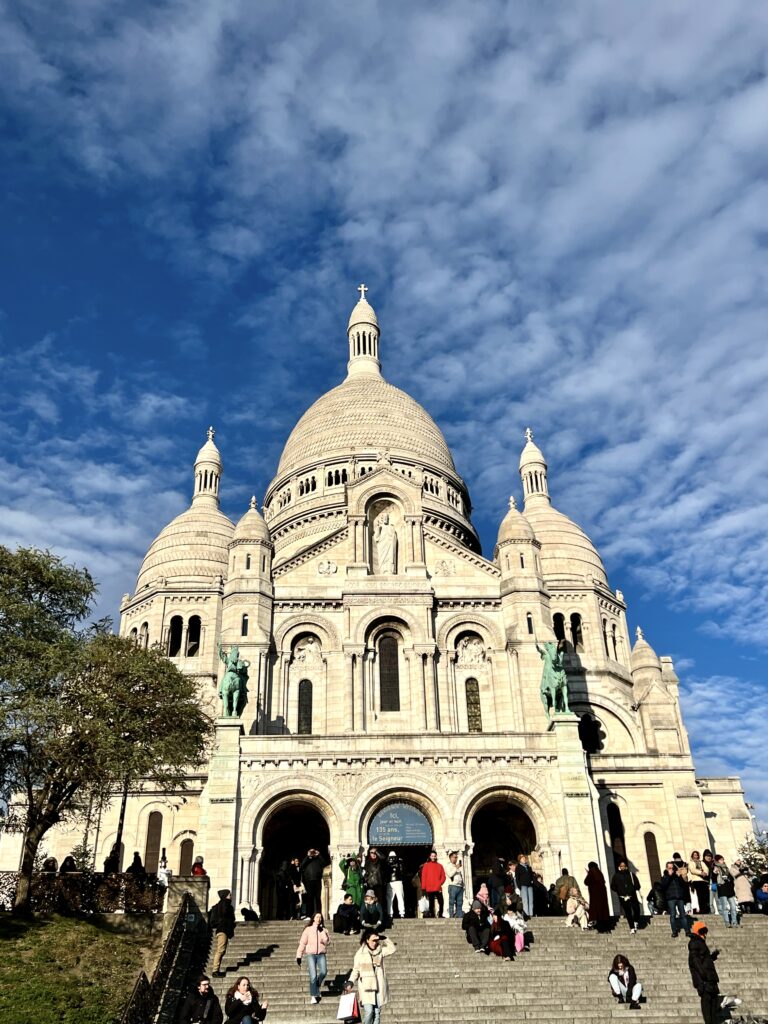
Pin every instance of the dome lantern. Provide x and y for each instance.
(363, 334)
(208, 470)
(533, 471)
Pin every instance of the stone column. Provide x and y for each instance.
(416, 688)
(584, 842)
(427, 679)
(223, 793)
(349, 689)
(513, 670)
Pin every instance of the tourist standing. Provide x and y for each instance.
(368, 970)
(222, 923)
(699, 881)
(432, 881)
(599, 914)
(312, 879)
(313, 944)
(497, 880)
(394, 875)
(202, 1004)
(564, 884)
(373, 875)
(677, 894)
(742, 887)
(726, 893)
(198, 871)
(623, 981)
(353, 878)
(524, 883)
(626, 885)
(286, 898)
(241, 1004)
(455, 885)
(701, 963)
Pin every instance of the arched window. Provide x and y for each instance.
(134, 635)
(152, 849)
(577, 633)
(616, 833)
(522, 560)
(343, 476)
(614, 642)
(174, 636)
(652, 856)
(389, 673)
(330, 479)
(529, 622)
(244, 626)
(558, 624)
(194, 630)
(305, 708)
(144, 635)
(605, 637)
(474, 715)
(263, 563)
(247, 561)
(186, 854)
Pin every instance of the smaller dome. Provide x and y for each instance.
(252, 526)
(531, 453)
(566, 551)
(363, 313)
(514, 526)
(209, 452)
(643, 655)
(193, 546)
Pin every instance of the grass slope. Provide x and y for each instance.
(67, 970)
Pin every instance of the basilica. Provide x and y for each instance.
(394, 671)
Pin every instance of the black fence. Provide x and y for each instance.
(85, 892)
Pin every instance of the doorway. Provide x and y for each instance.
(289, 832)
(500, 828)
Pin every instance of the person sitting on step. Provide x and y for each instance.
(346, 920)
(371, 912)
(623, 981)
(502, 937)
(576, 909)
(476, 928)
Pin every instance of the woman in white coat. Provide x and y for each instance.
(369, 972)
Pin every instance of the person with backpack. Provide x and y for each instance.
(625, 884)
(201, 1005)
(726, 893)
(222, 923)
(563, 886)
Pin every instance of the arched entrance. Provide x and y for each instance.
(500, 829)
(289, 832)
(404, 829)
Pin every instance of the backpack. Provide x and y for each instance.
(562, 892)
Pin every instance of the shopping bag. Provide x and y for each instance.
(423, 904)
(348, 1010)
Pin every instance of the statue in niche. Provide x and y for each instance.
(471, 651)
(554, 681)
(233, 688)
(385, 539)
(307, 650)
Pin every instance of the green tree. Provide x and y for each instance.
(84, 712)
(754, 853)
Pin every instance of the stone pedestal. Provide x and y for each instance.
(178, 887)
(222, 806)
(584, 839)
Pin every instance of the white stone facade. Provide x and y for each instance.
(391, 661)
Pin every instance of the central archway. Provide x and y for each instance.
(500, 828)
(291, 830)
(402, 828)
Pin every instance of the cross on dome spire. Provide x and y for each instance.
(639, 634)
(528, 434)
(363, 288)
(211, 433)
(252, 504)
(363, 335)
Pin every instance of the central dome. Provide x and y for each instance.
(365, 414)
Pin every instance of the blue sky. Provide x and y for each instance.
(562, 214)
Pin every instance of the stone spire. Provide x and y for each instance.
(208, 470)
(533, 471)
(363, 334)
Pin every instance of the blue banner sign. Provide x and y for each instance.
(400, 825)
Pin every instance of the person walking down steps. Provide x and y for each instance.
(701, 963)
(313, 944)
(222, 924)
(369, 971)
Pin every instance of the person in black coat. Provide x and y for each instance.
(201, 1005)
(312, 879)
(346, 920)
(476, 927)
(625, 884)
(222, 923)
(623, 981)
(286, 897)
(242, 1005)
(701, 963)
(497, 880)
(677, 893)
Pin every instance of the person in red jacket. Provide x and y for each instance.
(432, 879)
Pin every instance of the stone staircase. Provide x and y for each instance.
(435, 976)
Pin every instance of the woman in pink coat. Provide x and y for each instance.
(313, 944)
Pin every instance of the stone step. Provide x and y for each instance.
(562, 978)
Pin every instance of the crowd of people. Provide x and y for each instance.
(498, 921)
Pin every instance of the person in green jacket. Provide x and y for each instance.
(353, 878)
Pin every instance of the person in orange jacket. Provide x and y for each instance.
(432, 881)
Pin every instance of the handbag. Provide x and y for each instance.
(349, 1010)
